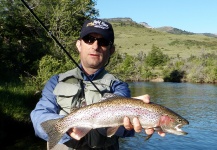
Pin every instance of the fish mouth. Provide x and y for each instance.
(174, 130)
(179, 131)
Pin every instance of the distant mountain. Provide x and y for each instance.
(173, 30)
(168, 29)
(210, 34)
(145, 25)
(127, 19)
(179, 31)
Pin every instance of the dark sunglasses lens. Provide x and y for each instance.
(103, 42)
(90, 40)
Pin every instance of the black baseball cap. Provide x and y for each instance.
(98, 26)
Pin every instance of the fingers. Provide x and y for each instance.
(145, 98)
(161, 133)
(149, 131)
(127, 123)
(138, 128)
(136, 124)
(73, 132)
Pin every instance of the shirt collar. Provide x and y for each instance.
(92, 76)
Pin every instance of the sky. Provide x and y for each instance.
(198, 16)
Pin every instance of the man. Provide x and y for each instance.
(72, 89)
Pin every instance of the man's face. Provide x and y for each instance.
(93, 55)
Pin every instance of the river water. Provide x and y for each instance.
(195, 102)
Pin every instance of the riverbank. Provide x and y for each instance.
(160, 79)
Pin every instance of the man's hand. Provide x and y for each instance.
(136, 124)
(74, 132)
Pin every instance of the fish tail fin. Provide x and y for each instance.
(53, 135)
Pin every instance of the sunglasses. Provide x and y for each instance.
(88, 39)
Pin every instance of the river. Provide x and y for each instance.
(195, 102)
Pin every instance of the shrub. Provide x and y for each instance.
(49, 66)
(156, 57)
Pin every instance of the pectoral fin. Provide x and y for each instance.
(111, 131)
(148, 137)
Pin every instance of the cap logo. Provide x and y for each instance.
(98, 24)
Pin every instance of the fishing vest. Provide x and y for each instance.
(73, 92)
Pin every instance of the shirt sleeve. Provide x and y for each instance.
(122, 89)
(47, 109)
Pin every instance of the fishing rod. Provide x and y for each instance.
(59, 44)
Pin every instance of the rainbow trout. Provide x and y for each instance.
(110, 113)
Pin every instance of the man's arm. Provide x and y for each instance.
(46, 109)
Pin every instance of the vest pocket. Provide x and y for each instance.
(91, 94)
(67, 96)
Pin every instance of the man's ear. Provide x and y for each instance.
(78, 45)
(112, 49)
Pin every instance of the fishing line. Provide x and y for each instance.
(59, 44)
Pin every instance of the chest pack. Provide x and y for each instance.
(73, 92)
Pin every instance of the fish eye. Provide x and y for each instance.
(179, 120)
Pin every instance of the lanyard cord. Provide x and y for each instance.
(59, 44)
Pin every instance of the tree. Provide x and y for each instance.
(67, 19)
(23, 42)
(156, 57)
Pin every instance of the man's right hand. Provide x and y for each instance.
(74, 132)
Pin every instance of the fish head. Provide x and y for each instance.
(172, 123)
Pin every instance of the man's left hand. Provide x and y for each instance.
(136, 123)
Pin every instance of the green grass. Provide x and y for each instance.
(133, 39)
(19, 95)
(16, 103)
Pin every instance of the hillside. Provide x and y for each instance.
(132, 38)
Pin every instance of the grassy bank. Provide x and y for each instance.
(16, 131)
